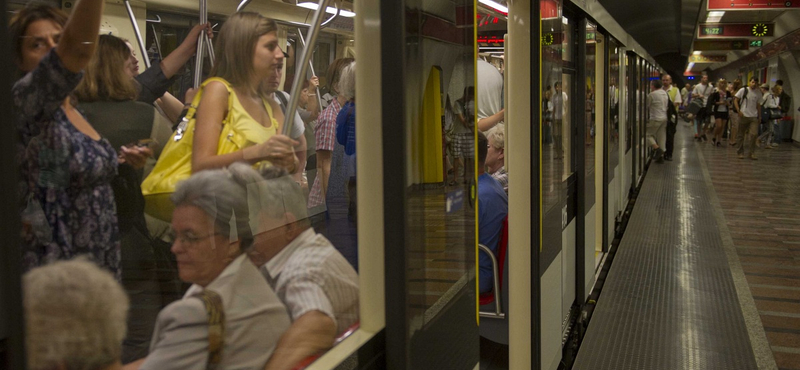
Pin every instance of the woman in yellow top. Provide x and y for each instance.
(247, 57)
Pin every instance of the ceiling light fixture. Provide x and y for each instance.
(690, 66)
(697, 52)
(329, 10)
(495, 5)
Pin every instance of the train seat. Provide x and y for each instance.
(494, 323)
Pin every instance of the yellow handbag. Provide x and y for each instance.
(175, 163)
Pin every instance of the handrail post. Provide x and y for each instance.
(313, 32)
(201, 41)
(498, 306)
(310, 66)
(138, 33)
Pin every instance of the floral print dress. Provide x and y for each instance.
(65, 175)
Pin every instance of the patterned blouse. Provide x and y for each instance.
(68, 205)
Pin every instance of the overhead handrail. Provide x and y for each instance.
(157, 20)
(242, 5)
(310, 66)
(158, 43)
(138, 33)
(335, 15)
(498, 305)
(313, 32)
(203, 46)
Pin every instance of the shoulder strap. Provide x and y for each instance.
(216, 327)
(184, 124)
(283, 102)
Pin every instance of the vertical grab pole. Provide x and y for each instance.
(198, 65)
(310, 66)
(137, 33)
(313, 32)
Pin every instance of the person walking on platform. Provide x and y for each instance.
(747, 104)
(786, 109)
(771, 103)
(702, 91)
(657, 102)
(734, 114)
(675, 97)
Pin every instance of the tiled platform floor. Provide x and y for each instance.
(761, 203)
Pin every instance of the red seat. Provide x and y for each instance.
(502, 249)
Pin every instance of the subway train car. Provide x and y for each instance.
(574, 87)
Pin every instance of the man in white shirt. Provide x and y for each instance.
(748, 105)
(672, 123)
(315, 282)
(657, 102)
(489, 109)
(702, 91)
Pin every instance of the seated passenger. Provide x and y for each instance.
(318, 286)
(212, 230)
(74, 317)
(496, 156)
(492, 210)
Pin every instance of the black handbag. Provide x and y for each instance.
(775, 113)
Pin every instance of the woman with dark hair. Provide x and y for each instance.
(66, 165)
(107, 96)
(734, 115)
(721, 101)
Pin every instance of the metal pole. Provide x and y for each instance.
(158, 43)
(242, 5)
(198, 65)
(138, 33)
(313, 32)
(310, 66)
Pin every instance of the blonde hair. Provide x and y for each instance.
(74, 316)
(105, 77)
(722, 82)
(497, 134)
(236, 45)
(777, 90)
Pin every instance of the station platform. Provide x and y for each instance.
(707, 274)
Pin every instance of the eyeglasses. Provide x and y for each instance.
(188, 238)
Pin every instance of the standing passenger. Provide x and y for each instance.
(771, 101)
(489, 109)
(702, 91)
(721, 101)
(675, 97)
(325, 136)
(657, 102)
(734, 114)
(66, 166)
(247, 56)
(748, 105)
(463, 143)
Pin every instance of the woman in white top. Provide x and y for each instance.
(770, 102)
(721, 99)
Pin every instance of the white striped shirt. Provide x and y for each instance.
(309, 274)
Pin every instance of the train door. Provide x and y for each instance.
(569, 128)
(631, 128)
(612, 169)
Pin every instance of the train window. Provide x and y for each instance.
(613, 100)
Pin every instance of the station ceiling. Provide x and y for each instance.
(668, 29)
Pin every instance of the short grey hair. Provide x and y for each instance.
(227, 196)
(497, 134)
(347, 82)
(75, 316)
(280, 193)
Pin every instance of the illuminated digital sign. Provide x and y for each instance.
(738, 30)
